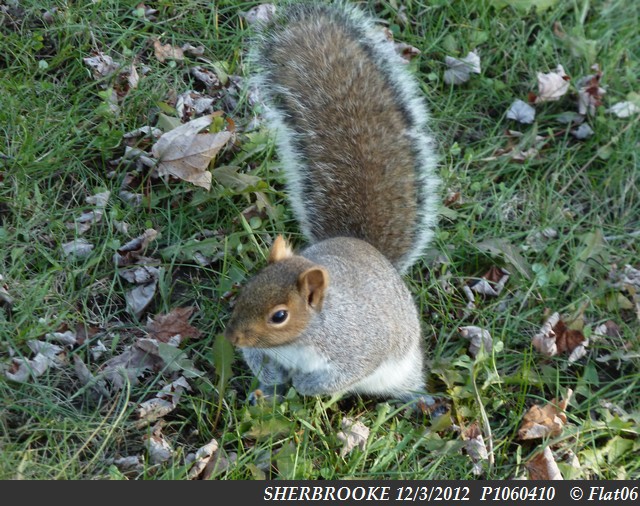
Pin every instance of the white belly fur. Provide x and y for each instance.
(395, 375)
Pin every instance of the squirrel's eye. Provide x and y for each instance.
(279, 316)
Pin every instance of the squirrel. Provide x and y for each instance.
(360, 164)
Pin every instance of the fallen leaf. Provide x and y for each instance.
(459, 70)
(193, 50)
(165, 401)
(590, 92)
(492, 282)
(508, 252)
(165, 326)
(133, 362)
(624, 109)
(479, 337)
(543, 466)
(552, 86)
(78, 248)
(521, 112)
(555, 338)
(158, 448)
(475, 447)
(24, 369)
(406, 51)
(186, 154)
(167, 51)
(85, 376)
(584, 131)
(353, 434)
(68, 337)
(129, 466)
(201, 458)
(140, 297)
(102, 65)
(132, 251)
(206, 77)
(548, 420)
(192, 104)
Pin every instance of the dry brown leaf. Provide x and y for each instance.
(353, 434)
(164, 402)
(23, 369)
(552, 86)
(492, 282)
(83, 373)
(132, 363)
(206, 77)
(543, 467)
(555, 338)
(406, 51)
(590, 92)
(78, 248)
(186, 154)
(102, 65)
(475, 447)
(479, 337)
(158, 448)
(548, 420)
(131, 252)
(201, 458)
(167, 51)
(165, 326)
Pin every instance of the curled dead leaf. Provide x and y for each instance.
(555, 338)
(543, 466)
(548, 420)
(553, 85)
(479, 337)
(353, 434)
(165, 326)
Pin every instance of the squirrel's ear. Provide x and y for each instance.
(312, 284)
(280, 250)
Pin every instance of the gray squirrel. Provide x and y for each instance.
(351, 132)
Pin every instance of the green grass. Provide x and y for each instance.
(58, 141)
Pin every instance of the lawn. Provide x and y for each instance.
(118, 270)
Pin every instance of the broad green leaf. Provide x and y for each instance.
(223, 357)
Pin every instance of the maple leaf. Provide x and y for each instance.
(185, 153)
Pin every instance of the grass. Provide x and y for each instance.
(58, 144)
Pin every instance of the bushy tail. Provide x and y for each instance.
(351, 129)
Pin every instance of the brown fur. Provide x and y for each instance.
(353, 135)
